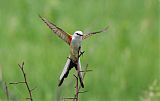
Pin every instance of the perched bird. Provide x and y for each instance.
(74, 41)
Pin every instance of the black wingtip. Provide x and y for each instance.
(103, 30)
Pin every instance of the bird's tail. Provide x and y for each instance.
(79, 70)
(69, 64)
(65, 71)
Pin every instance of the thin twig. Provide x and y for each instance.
(17, 82)
(85, 71)
(82, 91)
(33, 89)
(76, 87)
(25, 82)
(7, 93)
(68, 98)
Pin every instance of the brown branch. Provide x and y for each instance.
(78, 87)
(76, 95)
(68, 98)
(33, 89)
(78, 90)
(6, 90)
(17, 82)
(82, 91)
(25, 82)
(86, 70)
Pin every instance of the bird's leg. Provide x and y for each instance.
(69, 58)
(81, 53)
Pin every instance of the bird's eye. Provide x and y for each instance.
(78, 34)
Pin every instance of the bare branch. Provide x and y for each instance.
(24, 82)
(33, 89)
(17, 82)
(82, 91)
(78, 90)
(78, 87)
(69, 98)
(86, 70)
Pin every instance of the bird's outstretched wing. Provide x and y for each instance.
(58, 31)
(92, 33)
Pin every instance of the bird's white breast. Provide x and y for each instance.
(75, 46)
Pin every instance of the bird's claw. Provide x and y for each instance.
(69, 58)
(81, 53)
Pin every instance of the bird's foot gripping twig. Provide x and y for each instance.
(69, 58)
(81, 53)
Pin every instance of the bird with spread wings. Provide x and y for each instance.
(74, 41)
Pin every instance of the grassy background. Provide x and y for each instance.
(124, 60)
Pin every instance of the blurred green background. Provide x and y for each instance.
(124, 60)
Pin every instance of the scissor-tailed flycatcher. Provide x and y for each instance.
(74, 41)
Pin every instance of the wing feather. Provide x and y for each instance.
(58, 31)
(92, 33)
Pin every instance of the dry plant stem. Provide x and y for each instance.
(17, 82)
(78, 90)
(25, 82)
(68, 98)
(7, 93)
(76, 87)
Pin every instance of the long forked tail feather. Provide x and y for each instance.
(79, 69)
(69, 64)
(65, 71)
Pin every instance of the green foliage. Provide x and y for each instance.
(124, 60)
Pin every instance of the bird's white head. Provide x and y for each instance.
(78, 34)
